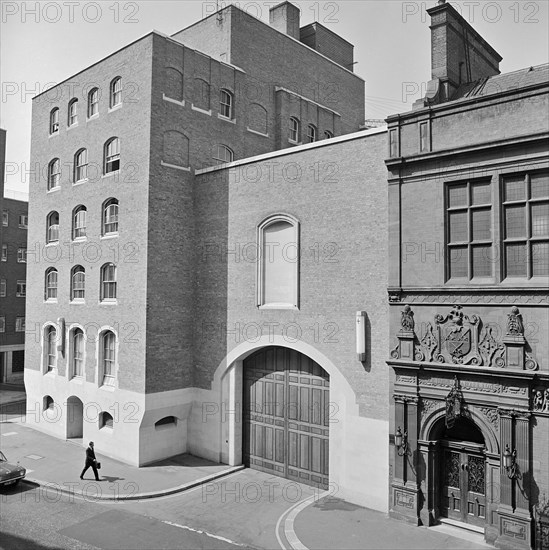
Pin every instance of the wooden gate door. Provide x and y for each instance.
(286, 415)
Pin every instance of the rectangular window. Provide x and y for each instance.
(469, 241)
(2, 324)
(23, 221)
(20, 324)
(3, 288)
(525, 220)
(424, 144)
(4, 252)
(22, 255)
(5, 217)
(21, 289)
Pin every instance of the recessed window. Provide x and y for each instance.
(54, 121)
(424, 137)
(2, 324)
(19, 324)
(294, 130)
(21, 291)
(72, 115)
(79, 222)
(51, 348)
(54, 174)
(108, 282)
(226, 104)
(2, 288)
(78, 283)
(328, 134)
(77, 349)
(116, 92)
(112, 156)
(48, 403)
(23, 221)
(223, 154)
(93, 102)
(22, 255)
(105, 420)
(311, 133)
(110, 217)
(52, 227)
(5, 218)
(108, 358)
(167, 421)
(50, 290)
(4, 252)
(393, 143)
(81, 165)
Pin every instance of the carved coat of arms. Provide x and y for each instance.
(458, 337)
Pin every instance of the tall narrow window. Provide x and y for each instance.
(81, 165)
(226, 104)
(110, 217)
(393, 143)
(54, 121)
(469, 230)
(4, 252)
(72, 115)
(223, 154)
(77, 353)
(2, 288)
(108, 282)
(294, 130)
(526, 225)
(93, 102)
(5, 218)
(116, 92)
(78, 283)
(108, 349)
(51, 349)
(52, 228)
(19, 325)
(21, 289)
(424, 137)
(311, 133)
(50, 290)
(279, 263)
(23, 221)
(79, 222)
(54, 174)
(112, 156)
(22, 255)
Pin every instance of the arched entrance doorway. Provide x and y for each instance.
(462, 479)
(286, 415)
(75, 418)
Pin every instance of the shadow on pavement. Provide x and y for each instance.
(329, 504)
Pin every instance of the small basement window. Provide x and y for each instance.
(167, 421)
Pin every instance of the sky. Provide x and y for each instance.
(43, 43)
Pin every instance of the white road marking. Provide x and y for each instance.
(199, 531)
(9, 433)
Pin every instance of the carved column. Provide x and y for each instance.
(412, 458)
(399, 421)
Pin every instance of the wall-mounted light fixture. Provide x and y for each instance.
(361, 335)
(510, 463)
(401, 442)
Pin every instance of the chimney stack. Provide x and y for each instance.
(284, 17)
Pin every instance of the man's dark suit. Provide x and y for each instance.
(90, 461)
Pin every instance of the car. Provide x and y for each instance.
(10, 474)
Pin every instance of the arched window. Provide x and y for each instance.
(79, 222)
(201, 94)
(328, 134)
(78, 283)
(50, 288)
(110, 217)
(54, 174)
(222, 153)
(93, 102)
(81, 165)
(294, 130)
(175, 148)
(77, 352)
(167, 421)
(108, 282)
(115, 92)
(311, 133)
(51, 348)
(257, 118)
(108, 358)
(226, 102)
(105, 420)
(54, 121)
(174, 84)
(72, 115)
(111, 162)
(52, 227)
(48, 403)
(279, 265)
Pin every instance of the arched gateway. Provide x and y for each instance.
(286, 415)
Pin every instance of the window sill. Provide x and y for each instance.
(53, 134)
(106, 387)
(75, 125)
(77, 380)
(21, 261)
(171, 100)
(295, 142)
(93, 117)
(78, 302)
(20, 295)
(108, 302)
(226, 119)
(54, 189)
(109, 236)
(203, 111)
(176, 166)
(53, 243)
(115, 108)
(23, 227)
(79, 239)
(278, 306)
(108, 429)
(80, 182)
(257, 133)
(50, 301)
(115, 173)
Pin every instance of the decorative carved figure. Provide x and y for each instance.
(546, 400)
(490, 349)
(407, 319)
(515, 326)
(428, 344)
(539, 403)
(454, 401)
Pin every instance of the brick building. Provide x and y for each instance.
(13, 278)
(468, 292)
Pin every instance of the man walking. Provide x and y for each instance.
(90, 461)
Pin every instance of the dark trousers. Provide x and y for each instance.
(87, 465)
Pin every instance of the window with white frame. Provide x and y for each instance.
(21, 291)
(294, 130)
(110, 217)
(23, 221)
(81, 165)
(51, 348)
(226, 104)
(311, 133)
(222, 153)
(111, 156)
(72, 115)
(54, 174)
(2, 288)
(52, 228)
(77, 349)
(54, 121)
(108, 282)
(19, 324)
(79, 222)
(93, 102)
(278, 274)
(5, 218)
(116, 92)
(4, 252)
(78, 283)
(22, 255)
(50, 286)
(108, 358)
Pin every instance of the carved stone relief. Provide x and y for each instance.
(540, 400)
